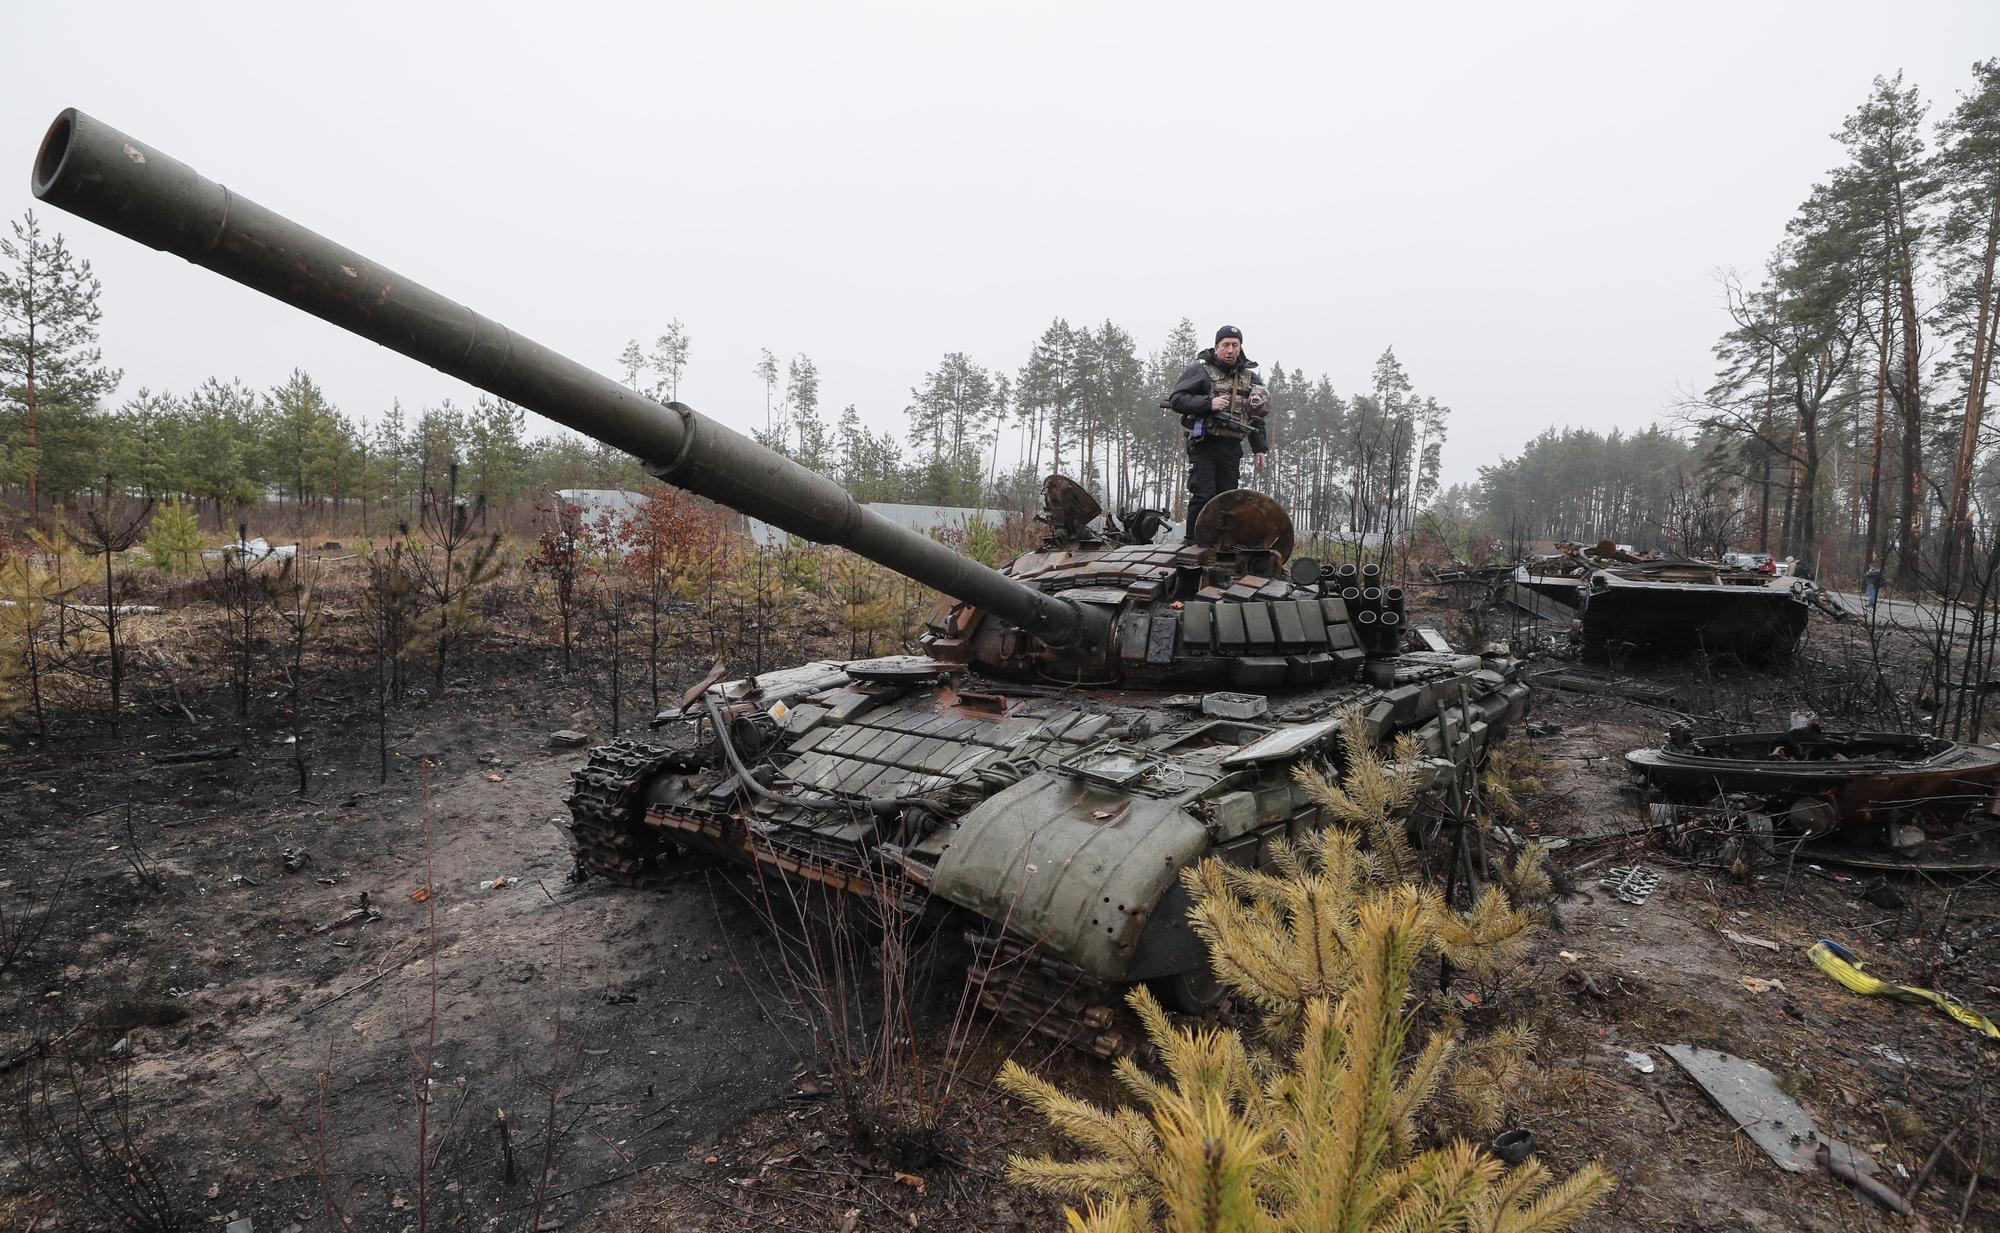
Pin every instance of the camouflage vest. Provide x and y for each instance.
(1236, 384)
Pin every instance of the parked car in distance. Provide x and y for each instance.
(1762, 562)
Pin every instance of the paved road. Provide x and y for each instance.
(1900, 613)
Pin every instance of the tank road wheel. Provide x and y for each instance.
(1192, 992)
(607, 832)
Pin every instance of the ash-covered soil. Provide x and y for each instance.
(276, 1031)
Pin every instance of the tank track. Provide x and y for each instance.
(1049, 997)
(606, 835)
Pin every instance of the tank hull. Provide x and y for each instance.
(1061, 818)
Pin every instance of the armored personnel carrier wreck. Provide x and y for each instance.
(1669, 604)
(1084, 723)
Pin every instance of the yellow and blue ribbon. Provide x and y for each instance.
(1842, 964)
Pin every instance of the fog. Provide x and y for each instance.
(1529, 205)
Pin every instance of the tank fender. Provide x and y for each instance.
(1075, 867)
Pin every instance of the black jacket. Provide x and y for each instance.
(1191, 395)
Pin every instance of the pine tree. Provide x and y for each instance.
(33, 594)
(1319, 1139)
(218, 464)
(766, 372)
(173, 539)
(802, 397)
(1045, 393)
(670, 360)
(50, 363)
(1283, 937)
(1969, 166)
(1883, 191)
(304, 437)
(631, 362)
(496, 453)
(146, 444)
(949, 417)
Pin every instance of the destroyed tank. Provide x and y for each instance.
(1084, 723)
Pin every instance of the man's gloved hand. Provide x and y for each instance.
(1259, 398)
(1219, 403)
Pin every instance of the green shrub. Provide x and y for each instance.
(173, 541)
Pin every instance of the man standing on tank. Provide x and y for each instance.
(1221, 401)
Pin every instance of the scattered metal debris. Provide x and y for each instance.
(354, 916)
(1538, 606)
(1744, 939)
(1432, 639)
(1749, 1094)
(1584, 681)
(1641, 1062)
(1634, 884)
(1878, 892)
(1514, 1146)
(1842, 1165)
(1811, 781)
(253, 550)
(1515, 839)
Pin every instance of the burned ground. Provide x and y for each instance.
(178, 942)
(274, 1054)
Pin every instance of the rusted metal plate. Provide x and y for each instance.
(1243, 519)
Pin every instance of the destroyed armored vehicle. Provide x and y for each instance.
(1669, 604)
(1812, 782)
(1084, 723)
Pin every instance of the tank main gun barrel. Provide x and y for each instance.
(96, 172)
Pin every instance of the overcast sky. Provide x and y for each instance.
(1528, 202)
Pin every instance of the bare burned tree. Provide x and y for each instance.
(1957, 630)
(27, 620)
(610, 606)
(394, 622)
(105, 533)
(82, 1129)
(561, 561)
(1702, 517)
(291, 594)
(23, 923)
(609, 597)
(239, 590)
(458, 561)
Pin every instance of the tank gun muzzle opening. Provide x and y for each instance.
(55, 148)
